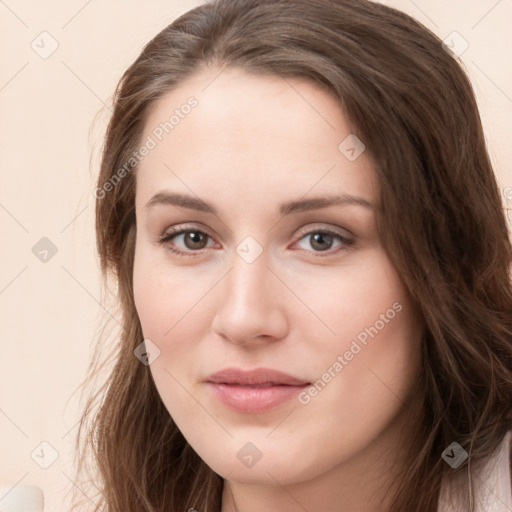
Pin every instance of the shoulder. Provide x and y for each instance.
(510, 455)
(495, 478)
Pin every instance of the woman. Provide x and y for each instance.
(313, 268)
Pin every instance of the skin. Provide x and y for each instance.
(252, 143)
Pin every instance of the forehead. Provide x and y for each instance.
(230, 130)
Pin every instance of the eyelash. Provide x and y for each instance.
(175, 231)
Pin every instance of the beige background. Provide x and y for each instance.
(51, 311)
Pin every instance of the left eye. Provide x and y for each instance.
(323, 241)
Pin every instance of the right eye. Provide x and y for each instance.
(192, 240)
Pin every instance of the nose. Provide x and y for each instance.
(251, 304)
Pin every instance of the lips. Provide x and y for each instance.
(257, 377)
(254, 391)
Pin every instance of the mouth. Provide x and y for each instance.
(254, 391)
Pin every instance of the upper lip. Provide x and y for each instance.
(257, 376)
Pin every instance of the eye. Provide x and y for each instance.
(190, 239)
(323, 240)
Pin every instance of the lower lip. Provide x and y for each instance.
(252, 399)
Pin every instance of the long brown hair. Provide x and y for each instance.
(441, 221)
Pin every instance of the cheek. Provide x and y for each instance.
(355, 306)
(168, 303)
(167, 298)
(367, 360)
(171, 303)
(381, 330)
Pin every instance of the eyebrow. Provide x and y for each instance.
(314, 203)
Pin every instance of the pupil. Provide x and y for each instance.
(319, 238)
(195, 238)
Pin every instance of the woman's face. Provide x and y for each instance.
(279, 267)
